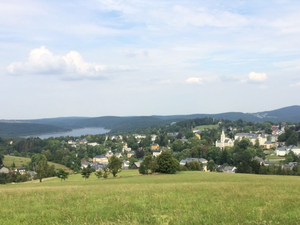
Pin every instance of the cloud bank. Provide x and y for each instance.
(71, 66)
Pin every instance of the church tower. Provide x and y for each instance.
(222, 137)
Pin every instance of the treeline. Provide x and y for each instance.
(14, 129)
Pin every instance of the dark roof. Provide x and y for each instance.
(99, 156)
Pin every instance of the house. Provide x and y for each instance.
(139, 136)
(268, 163)
(268, 145)
(100, 159)
(184, 140)
(129, 154)
(136, 165)
(200, 160)
(224, 142)
(4, 169)
(274, 138)
(93, 144)
(156, 153)
(229, 169)
(109, 154)
(70, 142)
(261, 138)
(153, 137)
(31, 173)
(260, 160)
(294, 148)
(126, 149)
(21, 170)
(83, 142)
(288, 166)
(154, 146)
(282, 151)
(118, 155)
(125, 165)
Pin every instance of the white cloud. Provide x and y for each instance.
(71, 66)
(194, 80)
(257, 77)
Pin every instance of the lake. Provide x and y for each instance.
(75, 132)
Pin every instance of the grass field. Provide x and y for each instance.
(216, 126)
(184, 198)
(19, 161)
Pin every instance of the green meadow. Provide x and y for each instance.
(183, 198)
(20, 161)
(202, 127)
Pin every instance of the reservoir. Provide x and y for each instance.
(75, 132)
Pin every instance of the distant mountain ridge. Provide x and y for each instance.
(116, 123)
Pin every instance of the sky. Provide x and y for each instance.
(144, 57)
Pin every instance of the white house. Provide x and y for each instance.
(262, 138)
(93, 144)
(282, 151)
(156, 152)
(224, 142)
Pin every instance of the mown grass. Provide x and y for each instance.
(202, 127)
(20, 161)
(184, 198)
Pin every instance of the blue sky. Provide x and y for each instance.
(141, 57)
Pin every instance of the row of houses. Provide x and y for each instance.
(21, 170)
(224, 169)
(284, 150)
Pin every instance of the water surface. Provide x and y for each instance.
(75, 132)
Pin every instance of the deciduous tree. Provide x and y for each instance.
(115, 165)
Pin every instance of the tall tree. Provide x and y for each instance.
(1, 159)
(42, 170)
(146, 165)
(115, 165)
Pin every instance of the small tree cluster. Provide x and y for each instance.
(149, 165)
(194, 166)
(166, 163)
(63, 175)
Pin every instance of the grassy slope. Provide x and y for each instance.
(19, 161)
(184, 198)
(206, 127)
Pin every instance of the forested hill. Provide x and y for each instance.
(16, 129)
(115, 123)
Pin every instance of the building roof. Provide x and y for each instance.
(99, 156)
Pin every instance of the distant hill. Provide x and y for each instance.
(286, 114)
(16, 129)
(115, 123)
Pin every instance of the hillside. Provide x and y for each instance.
(183, 198)
(115, 123)
(20, 161)
(20, 128)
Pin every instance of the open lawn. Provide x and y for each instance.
(19, 161)
(184, 198)
(216, 126)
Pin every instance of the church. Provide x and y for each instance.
(224, 142)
